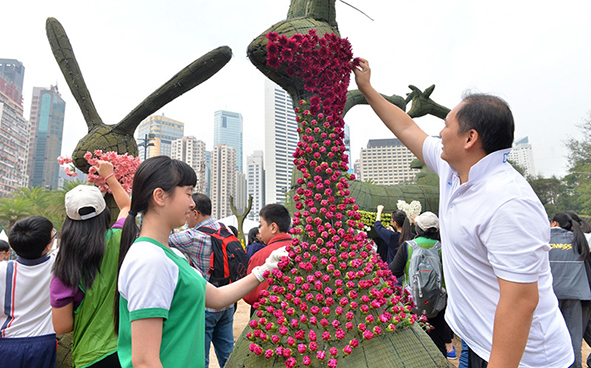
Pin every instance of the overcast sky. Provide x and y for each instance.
(534, 54)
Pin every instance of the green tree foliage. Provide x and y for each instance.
(578, 179)
(27, 202)
(552, 193)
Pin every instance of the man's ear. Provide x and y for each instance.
(472, 138)
(158, 196)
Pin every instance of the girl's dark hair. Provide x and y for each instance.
(580, 244)
(585, 227)
(430, 233)
(400, 218)
(252, 235)
(156, 172)
(82, 248)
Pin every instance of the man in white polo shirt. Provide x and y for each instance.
(494, 233)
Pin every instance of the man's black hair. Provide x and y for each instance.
(202, 203)
(278, 214)
(29, 237)
(491, 117)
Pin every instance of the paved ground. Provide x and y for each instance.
(242, 317)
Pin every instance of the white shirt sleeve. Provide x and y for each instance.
(148, 278)
(517, 244)
(432, 154)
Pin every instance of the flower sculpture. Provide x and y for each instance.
(124, 167)
(412, 210)
(336, 293)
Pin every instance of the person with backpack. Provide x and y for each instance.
(419, 262)
(199, 242)
(274, 229)
(569, 262)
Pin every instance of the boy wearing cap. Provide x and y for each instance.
(27, 338)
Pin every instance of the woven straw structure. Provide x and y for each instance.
(408, 348)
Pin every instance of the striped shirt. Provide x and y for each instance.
(24, 292)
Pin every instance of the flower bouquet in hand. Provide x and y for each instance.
(124, 167)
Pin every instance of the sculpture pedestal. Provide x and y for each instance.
(410, 347)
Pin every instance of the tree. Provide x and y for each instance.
(579, 171)
(553, 193)
(12, 210)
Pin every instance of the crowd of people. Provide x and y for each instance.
(512, 285)
(128, 298)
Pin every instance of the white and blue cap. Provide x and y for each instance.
(84, 196)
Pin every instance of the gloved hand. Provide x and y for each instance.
(270, 263)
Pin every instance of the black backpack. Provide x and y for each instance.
(228, 261)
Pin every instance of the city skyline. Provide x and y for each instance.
(536, 60)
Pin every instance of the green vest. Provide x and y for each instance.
(94, 332)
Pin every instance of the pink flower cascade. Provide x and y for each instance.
(124, 167)
(335, 293)
(67, 161)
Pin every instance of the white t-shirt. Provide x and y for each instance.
(24, 291)
(495, 226)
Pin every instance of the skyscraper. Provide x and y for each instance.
(223, 180)
(281, 139)
(208, 173)
(227, 129)
(14, 128)
(45, 144)
(523, 155)
(241, 199)
(256, 183)
(192, 151)
(347, 143)
(13, 74)
(387, 162)
(163, 130)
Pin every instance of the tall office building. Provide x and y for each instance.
(281, 139)
(256, 183)
(387, 162)
(223, 180)
(192, 151)
(347, 143)
(45, 144)
(357, 169)
(14, 128)
(208, 173)
(13, 74)
(227, 129)
(241, 199)
(163, 130)
(523, 155)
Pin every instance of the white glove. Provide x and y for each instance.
(270, 263)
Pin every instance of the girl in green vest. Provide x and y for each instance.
(85, 272)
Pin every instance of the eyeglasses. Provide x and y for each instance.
(54, 231)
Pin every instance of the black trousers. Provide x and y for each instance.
(474, 361)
